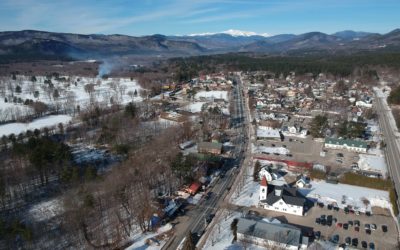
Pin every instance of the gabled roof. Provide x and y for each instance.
(281, 233)
(288, 194)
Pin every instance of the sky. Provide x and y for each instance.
(180, 17)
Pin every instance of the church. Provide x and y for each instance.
(281, 199)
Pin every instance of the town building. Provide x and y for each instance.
(269, 235)
(210, 148)
(351, 145)
(281, 199)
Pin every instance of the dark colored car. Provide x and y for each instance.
(364, 244)
(335, 239)
(367, 226)
(354, 242)
(350, 223)
(330, 207)
(320, 204)
(318, 220)
(336, 208)
(323, 216)
(329, 223)
(345, 226)
(317, 235)
(368, 231)
(371, 246)
(329, 217)
(357, 229)
(323, 222)
(347, 241)
(339, 155)
(368, 213)
(384, 228)
(289, 155)
(357, 223)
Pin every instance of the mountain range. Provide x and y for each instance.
(31, 44)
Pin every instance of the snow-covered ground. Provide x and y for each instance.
(194, 107)
(48, 121)
(220, 94)
(372, 162)
(45, 210)
(72, 92)
(353, 195)
(269, 150)
(140, 240)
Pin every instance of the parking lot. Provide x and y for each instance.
(380, 239)
(309, 150)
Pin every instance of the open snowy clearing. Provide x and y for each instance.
(351, 195)
(48, 121)
(209, 95)
(70, 92)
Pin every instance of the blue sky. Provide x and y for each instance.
(145, 17)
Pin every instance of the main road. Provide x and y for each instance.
(207, 208)
(389, 131)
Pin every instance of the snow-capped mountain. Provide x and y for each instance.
(233, 32)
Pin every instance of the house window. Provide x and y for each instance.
(280, 203)
(284, 209)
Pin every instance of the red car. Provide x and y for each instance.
(339, 224)
(357, 229)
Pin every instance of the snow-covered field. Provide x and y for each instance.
(71, 92)
(353, 195)
(48, 121)
(212, 94)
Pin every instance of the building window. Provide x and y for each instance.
(263, 190)
(280, 203)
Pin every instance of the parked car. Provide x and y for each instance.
(357, 229)
(384, 228)
(347, 241)
(373, 227)
(318, 220)
(364, 244)
(329, 217)
(336, 208)
(339, 155)
(289, 155)
(273, 145)
(345, 226)
(317, 235)
(368, 213)
(357, 223)
(354, 242)
(367, 226)
(371, 246)
(335, 239)
(339, 225)
(323, 222)
(330, 207)
(350, 223)
(368, 231)
(323, 216)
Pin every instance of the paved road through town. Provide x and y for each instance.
(392, 151)
(197, 217)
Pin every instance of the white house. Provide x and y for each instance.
(281, 198)
(269, 235)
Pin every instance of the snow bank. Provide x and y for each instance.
(48, 121)
(352, 195)
(220, 94)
